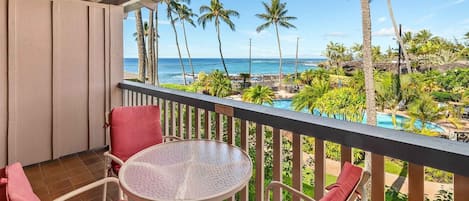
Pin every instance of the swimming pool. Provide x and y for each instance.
(383, 120)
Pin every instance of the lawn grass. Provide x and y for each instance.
(392, 166)
(308, 188)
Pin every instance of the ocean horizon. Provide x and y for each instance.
(170, 69)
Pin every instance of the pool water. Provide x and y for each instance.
(383, 120)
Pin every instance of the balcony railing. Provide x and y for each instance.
(184, 113)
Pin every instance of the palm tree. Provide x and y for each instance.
(399, 39)
(275, 14)
(368, 75)
(218, 84)
(426, 110)
(259, 95)
(151, 48)
(407, 37)
(357, 50)
(307, 97)
(342, 103)
(185, 15)
(157, 80)
(423, 36)
(142, 61)
(216, 12)
(171, 5)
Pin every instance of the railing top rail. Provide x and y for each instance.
(429, 151)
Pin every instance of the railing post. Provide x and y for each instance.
(297, 167)
(461, 187)
(319, 169)
(125, 97)
(180, 120)
(416, 182)
(218, 127)
(208, 124)
(259, 162)
(244, 194)
(277, 162)
(166, 117)
(231, 131)
(188, 122)
(197, 122)
(345, 155)
(377, 177)
(173, 118)
(143, 99)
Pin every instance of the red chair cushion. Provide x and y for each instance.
(346, 182)
(134, 129)
(3, 185)
(18, 187)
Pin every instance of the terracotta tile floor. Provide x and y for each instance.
(54, 178)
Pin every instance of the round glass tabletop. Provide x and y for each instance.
(186, 170)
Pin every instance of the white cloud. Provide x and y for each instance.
(384, 32)
(381, 19)
(335, 34)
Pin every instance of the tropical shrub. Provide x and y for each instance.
(432, 174)
(259, 95)
(444, 195)
(442, 96)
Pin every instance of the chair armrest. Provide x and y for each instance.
(89, 187)
(278, 185)
(114, 158)
(360, 187)
(171, 138)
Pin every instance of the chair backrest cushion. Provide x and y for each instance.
(134, 129)
(18, 187)
(3, 185)
(345, 185)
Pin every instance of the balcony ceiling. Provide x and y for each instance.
(130, 5)
(114, 2)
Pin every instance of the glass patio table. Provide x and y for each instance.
(186, 170)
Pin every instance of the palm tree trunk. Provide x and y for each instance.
(187, 48)
(177, 45)
(157, 80)
(250, 57)
(219, 48)
(296, 63)
(142, 62)
(280, 58)
(369, 80)
(151, 56)
(399, 39)
(393, 117)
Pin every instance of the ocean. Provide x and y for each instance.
(170, 69)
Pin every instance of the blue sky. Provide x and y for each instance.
(318, 23)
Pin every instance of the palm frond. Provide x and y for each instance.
(231, 13)
(263, 26)
(204, 9)
(228, 21)
(286, 24)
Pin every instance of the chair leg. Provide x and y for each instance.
(106, 170)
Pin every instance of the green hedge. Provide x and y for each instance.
(441, 96)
